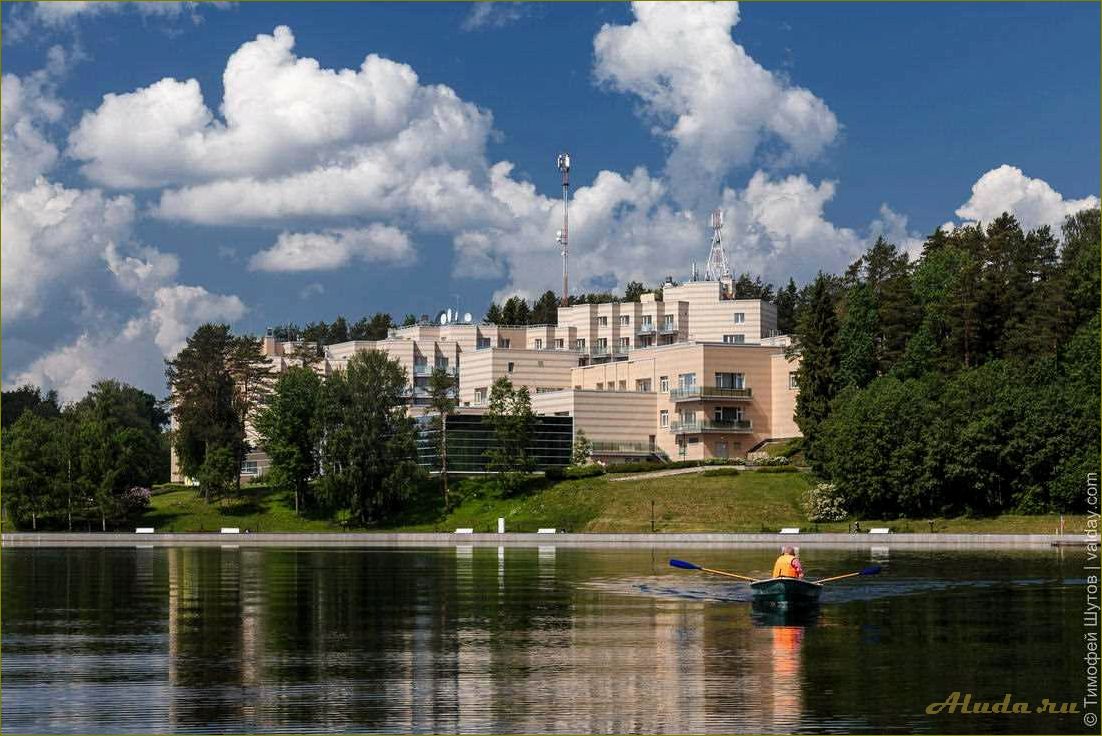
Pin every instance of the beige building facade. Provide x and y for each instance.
(696, 375)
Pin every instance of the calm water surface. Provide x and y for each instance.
(515, 640)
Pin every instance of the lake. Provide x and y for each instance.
(518, 640)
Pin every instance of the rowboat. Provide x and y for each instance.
(786, 592)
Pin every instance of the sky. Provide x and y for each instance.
(167, 164)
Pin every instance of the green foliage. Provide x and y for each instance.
(634, 290)
(510, 414)
(369, 451)
(442, 401)
(817, 376)
(30, 469)
(575, 472)
(582, 450)
(857, 358)
(776, 469)
(203, 400)
(14, 403)
(546, 309)
(289, 432)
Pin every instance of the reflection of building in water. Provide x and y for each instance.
(786, 696)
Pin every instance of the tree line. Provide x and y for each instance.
(93, 461)
(964, 382)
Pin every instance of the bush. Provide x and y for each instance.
(136, 500)
(776, 469)
(824, 503)
(575, 472)
(650, 465)
(555, 472)
(764, 459)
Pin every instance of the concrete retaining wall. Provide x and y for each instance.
(383, 539)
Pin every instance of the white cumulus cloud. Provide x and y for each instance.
(325, 251)
(1033, 201)
(280, 113)
(704, 93)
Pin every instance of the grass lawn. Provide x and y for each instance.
(723, 502)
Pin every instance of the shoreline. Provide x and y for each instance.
(524, 539)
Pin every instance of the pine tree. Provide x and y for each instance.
(546, 309)
(634, 290)
(493, 314)
(857, 359)
(786, 301)
(817, 376)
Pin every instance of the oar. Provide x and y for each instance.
(690, 566)
(871, 570)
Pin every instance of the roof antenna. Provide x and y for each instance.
(563, 235)
(717, 260)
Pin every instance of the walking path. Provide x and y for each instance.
(516, 539)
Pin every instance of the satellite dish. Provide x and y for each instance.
(443, 318)
(467, 317)
(452, 316)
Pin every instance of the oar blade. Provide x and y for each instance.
(684, 565)
(871, 570)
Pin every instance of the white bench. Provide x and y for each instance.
(144, 530)
(464, 531)
(547, 531)
(230, 530)
(790, 530)
(880, 530)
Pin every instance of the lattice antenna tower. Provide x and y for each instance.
(563, 236)
(717, 259)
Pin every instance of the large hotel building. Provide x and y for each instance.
(697, 375)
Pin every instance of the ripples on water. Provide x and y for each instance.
(524, 640)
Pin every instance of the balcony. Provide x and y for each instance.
(709, 393)
(645, 329)
(711, 425)
(668, 328)
(622, 448)
(424, 369)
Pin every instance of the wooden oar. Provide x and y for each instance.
(871, 570)
(690, 566)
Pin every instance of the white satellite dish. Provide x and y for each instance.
(443, 318)
(467, 317)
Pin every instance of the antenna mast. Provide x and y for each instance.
(717, 259)
(563, 235)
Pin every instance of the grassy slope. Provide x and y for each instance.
(746, 502)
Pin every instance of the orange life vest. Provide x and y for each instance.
(787, 566)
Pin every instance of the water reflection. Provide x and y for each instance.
(502, 639)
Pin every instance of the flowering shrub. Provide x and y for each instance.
(136, 499)
(824, 503)
(765, 459)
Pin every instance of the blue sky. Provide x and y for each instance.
(815, 126)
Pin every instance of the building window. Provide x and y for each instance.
(740, 318)
(580, 343)
(480, 396)
(668, 322)
(623, 386)
(625, 319)
(642, 384)
(539, 364)
(730, 380)
(611, 386)
(663, 419)
(483, 343)
(503, 342)
(664, 384)
(601, 386)
(602, 321)
(738, 339)
(625, 342)
(559, 343)
(602, 342)
(686, 380)
(792, 380)
(539, 343)
(509, 367)
(647, 320)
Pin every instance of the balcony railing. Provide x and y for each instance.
(708, 393)
(645, 329)
(424, 369)
(622, 448)
(711, 425)
(668, 327)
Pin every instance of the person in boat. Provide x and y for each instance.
(788, 564)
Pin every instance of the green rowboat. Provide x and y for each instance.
(786, 592)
